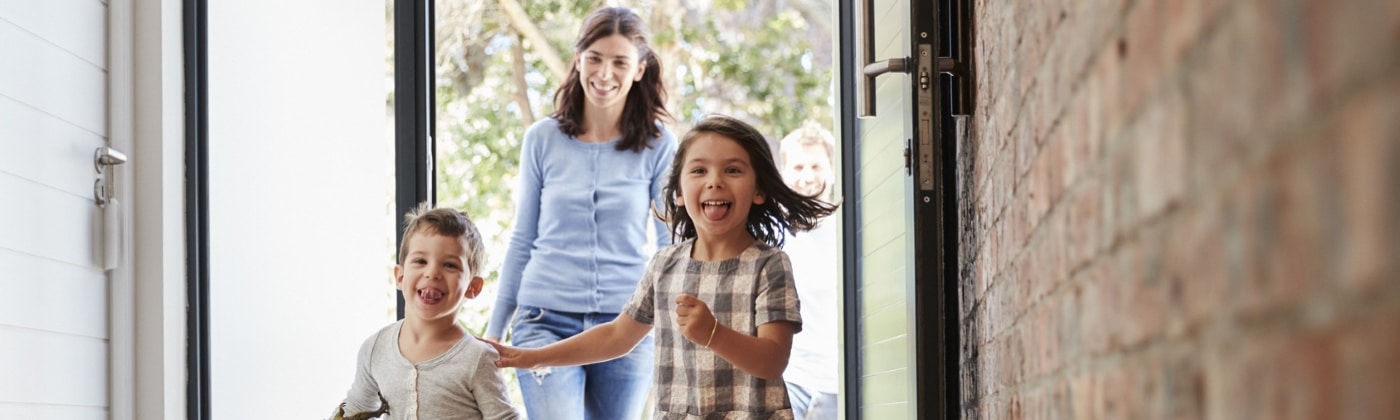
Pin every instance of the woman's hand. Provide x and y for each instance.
(695, 320)
(513, 356)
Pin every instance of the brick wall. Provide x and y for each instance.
(1182, 209)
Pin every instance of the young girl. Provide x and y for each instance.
(722, 302)
(588, 176)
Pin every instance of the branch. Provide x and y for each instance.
(522, 24)
(517, 77)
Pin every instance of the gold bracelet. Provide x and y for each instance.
(712, 333)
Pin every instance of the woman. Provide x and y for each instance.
(588, 176)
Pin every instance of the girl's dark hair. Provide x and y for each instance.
(783, 208)
(646, 102)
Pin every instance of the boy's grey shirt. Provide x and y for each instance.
(462, 383)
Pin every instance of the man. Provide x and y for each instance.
(812, 375)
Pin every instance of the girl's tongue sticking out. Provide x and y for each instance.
(715, 210)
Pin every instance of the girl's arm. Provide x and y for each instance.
(600, 343)
(764, 356)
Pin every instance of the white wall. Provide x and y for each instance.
(53, 291)
(300, 179)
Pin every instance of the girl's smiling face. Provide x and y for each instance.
(718, 186)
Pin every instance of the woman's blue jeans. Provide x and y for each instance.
(611, 390)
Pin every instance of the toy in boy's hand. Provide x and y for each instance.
(383, 409)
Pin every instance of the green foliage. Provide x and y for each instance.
(756, 65)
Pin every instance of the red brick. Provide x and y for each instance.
(1121, 215)
(1143, 311)
(1310, 364)
(1099, 318)
(1273, 78)
(1045, 181)
(1032, 34)
(1369, 359)
(1195, 267)
(1049, 256)
(1365, 154)
(1184, 387)
(1159, 140)
(1143, 62)
(1070, 132)
(1220, 117)
(1184, 21)
(1123, 392)
(1243, 379)
(1101, 85)
(1083, 214)
(1085, 402)
(1279, 205)
(986, 263)
(1346, 41)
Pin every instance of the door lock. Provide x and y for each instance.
(104, 189)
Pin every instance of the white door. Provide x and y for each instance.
(54, 339)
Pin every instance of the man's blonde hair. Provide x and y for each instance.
(809, 134)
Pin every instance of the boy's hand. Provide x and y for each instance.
(512, 356)
(694, 319)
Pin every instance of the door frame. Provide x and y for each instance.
(847, 59)
(940, 26)
(415, 112)
(121, 292)
(198, 394)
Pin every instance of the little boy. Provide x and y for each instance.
(426, 366)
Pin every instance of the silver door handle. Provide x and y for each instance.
(872, 68)
(105, 188)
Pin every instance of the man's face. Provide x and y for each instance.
(807, 170)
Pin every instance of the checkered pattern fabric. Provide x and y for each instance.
(744, 292)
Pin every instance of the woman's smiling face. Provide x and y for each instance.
(607, 69)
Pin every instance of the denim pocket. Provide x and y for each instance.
(526, 314)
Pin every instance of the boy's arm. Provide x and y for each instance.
(363, 400)
(764, 356)
(600, 343)
(488, 387)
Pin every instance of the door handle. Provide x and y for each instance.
(871, 68)
(105, 188)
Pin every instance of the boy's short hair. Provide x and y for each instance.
(811, 133)
(448, 222)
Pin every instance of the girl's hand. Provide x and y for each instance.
(512, 356)
(695, 320)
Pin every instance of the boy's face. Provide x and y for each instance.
(807, 169)
(434, 276)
